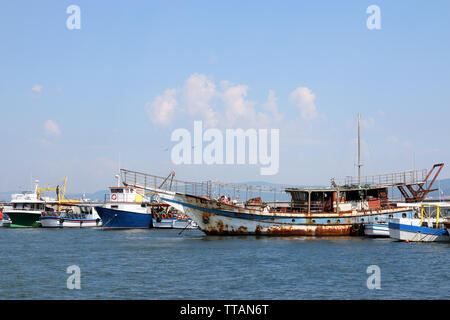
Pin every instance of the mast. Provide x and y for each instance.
(359, 152)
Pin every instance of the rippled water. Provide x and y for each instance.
(161, 264)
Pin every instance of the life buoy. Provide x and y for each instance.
(179, 217)
(164, 216)
(156, 215)
(185, 218)
(114, 196)
(170, 215)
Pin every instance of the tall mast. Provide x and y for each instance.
(359, 152)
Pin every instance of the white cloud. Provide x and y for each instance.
(367, 123)
(51, 128)
(272, 106)
(396, 141)
(393, 139)
(236, 106)
(303, 99)
(198, 91)
(201, 97)
(161, 109)
(36, 90)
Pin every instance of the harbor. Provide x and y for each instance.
(224, 159)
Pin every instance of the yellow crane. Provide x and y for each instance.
(60, 195)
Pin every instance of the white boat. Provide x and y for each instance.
(78, 216)
(27, 207)
(378, 226)
(171, 218)
(429, 227)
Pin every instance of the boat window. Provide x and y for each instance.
(114, 207)
(116, 190)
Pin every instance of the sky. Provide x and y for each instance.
(84, 102)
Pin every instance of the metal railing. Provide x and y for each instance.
(390, 179)
(210, 189)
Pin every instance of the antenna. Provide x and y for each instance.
(359, 151)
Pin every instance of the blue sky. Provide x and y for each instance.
(74, 102)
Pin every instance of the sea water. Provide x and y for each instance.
(164, 264)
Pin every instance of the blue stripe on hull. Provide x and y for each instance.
(423, 230)
(119, 219)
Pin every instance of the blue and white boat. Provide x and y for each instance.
(378, 226)
(126, 208)
(76, 216)
(429, 227)
(129, 207)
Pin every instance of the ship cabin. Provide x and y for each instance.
(126, 194)
(334, 200)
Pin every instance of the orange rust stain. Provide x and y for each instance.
(242, 229)
(220, 225)
(320, 230)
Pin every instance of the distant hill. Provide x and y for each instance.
(445, 189)
(5, 196)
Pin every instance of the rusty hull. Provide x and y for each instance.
(215, 218)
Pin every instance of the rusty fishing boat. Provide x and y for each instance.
(339, 210)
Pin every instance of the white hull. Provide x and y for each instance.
(5, 223)
(82, 224)
(376, 230)
(50, 222)
(411, 230)
(174, 224)
(56, 222)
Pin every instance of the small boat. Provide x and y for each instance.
(429, 227)
(379, 227)
(27, 207)
(78, 216)
(5, 221)
(171, 218)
